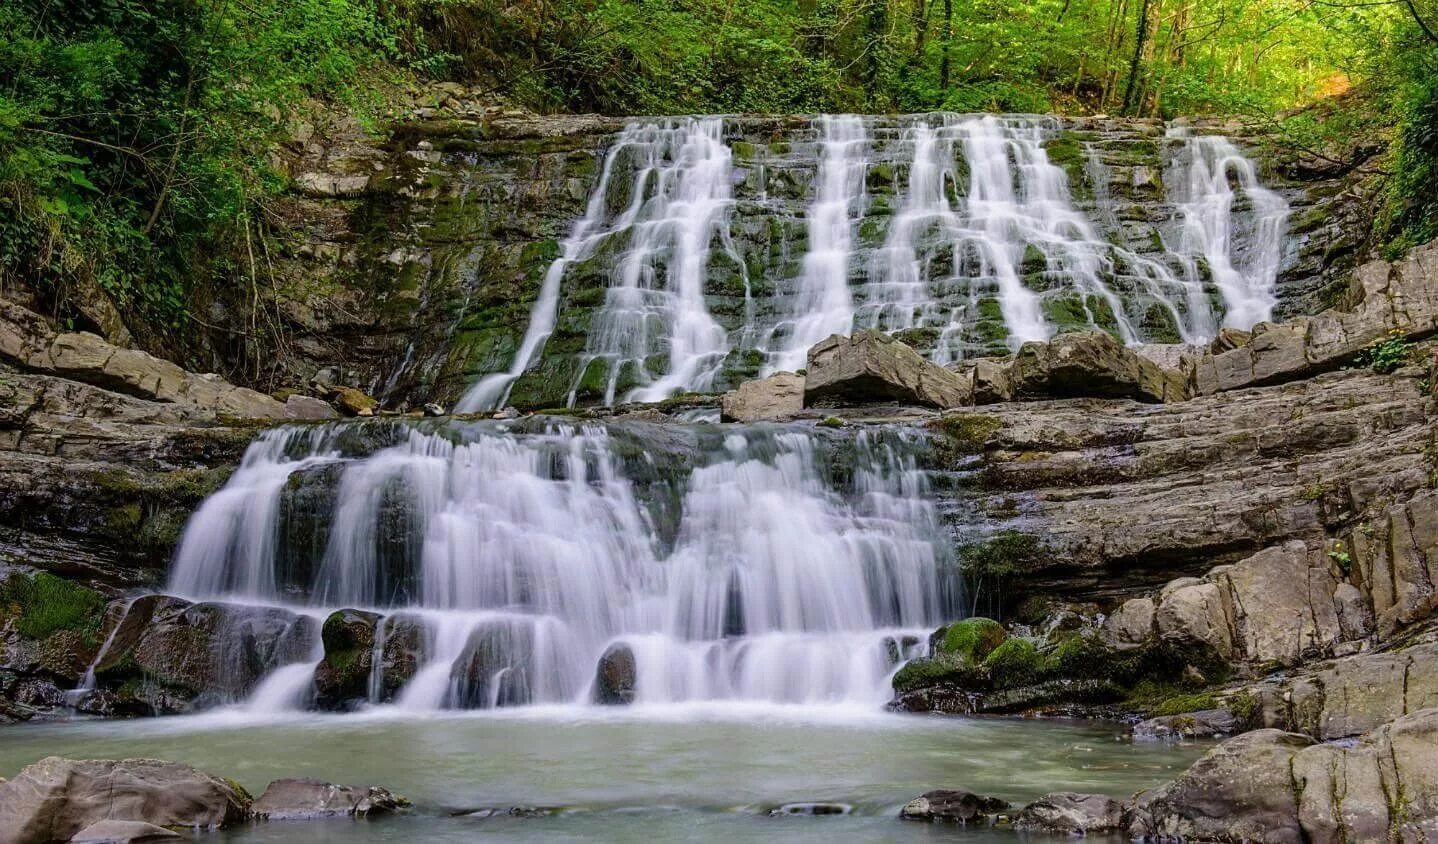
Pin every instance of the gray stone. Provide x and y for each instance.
(295, 799)
(56, 798)
(874, 367)
(616, 676)
(308, 408)
(952, 806)
(1071, 813)
(1092, 363)
(776, 398)
(1131, 625)
(1205, 723)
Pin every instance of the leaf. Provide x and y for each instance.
(79, 179)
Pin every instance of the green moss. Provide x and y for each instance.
(45, 604)
(970, 641)
(1245, 707)
(1006, 553)
(1015, 662)
(967, 433)
(1179, 704)
(1082, 656)
(831, 422)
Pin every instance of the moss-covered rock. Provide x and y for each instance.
(1015, 662)
(969, 641)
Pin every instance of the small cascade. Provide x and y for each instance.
(769, 564)
(87, 680)
(821, 303)
(1243, 259)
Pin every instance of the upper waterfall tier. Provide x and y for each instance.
(763, 563)
(704, 256)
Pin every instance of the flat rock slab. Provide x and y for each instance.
(123, 832)
(300, 799)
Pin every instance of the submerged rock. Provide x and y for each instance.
(874, 367)
(1071, 813)
(811, 809)
(123, 832)
(56, 798)
(774, 399)
(616, 676)
(292, 799)
(954, 806)
(1205, 723)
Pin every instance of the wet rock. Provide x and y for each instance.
(343, 675)
(296, 799)
(434, 409)
(873, 367)
(616, 676)
(352, 402)
(1071, 813)
(1205, 723)
(952, 806)
(56, 798)
(776, 398)
(122, 832)
(308, 408)
(496, 667)
(811, 809)
(1240, 790)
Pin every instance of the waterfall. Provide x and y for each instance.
(1243, 261)
(779, 564)
(822, 304)
(962, 233)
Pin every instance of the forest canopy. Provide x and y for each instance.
(135, 135)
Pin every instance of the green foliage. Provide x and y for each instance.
(971, 640)
(44, 604)
(1181, 703)
(1341, 558)
(134, 136)
(1386, 355)
(968, 432)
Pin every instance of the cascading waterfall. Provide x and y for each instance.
(765, 564)
(822, 304)
(1243, 263)
(984, 232)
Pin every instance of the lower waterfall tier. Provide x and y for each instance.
(499, 564)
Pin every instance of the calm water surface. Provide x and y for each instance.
(698, 773)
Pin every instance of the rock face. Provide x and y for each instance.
(776, 398)
(1384, 298)
(874, 367)
(55, 798)
(1089, 363)
(1269, 785)
(1279, 607)
(299, 799)
(952, 806)
(1070, 813)
(28, 342)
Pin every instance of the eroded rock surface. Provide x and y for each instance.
(873, 367)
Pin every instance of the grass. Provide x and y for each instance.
(44, 604)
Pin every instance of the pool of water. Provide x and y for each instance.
(694, 773)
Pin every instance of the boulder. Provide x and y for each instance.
(1131, 625)
(616, 676)
(777, 398)
(1282, 600)
(308, 408)
(1269, 785)
(953, 806)
(1239, 790)
(496, 667)
(56, 798)
(352, 402)
(343, 675)
(1191, 611)
(1205, 723)
(122, 832)
(1071, 813)
(1092, 364)
(295, 799)
(873, 367)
